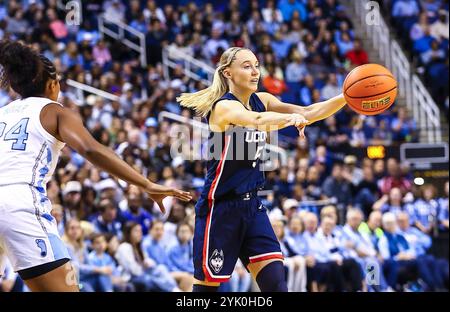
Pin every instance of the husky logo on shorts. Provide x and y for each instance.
(41, 244)
(216, 260)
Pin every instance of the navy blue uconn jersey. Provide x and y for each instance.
(234, 158)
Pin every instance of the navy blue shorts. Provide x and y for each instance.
(226, 230)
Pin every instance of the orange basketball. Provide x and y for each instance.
(370, 89)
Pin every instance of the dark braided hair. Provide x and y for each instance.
(23, 69)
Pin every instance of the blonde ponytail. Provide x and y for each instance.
(203, 100)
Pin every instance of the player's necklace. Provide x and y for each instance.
(246, 105)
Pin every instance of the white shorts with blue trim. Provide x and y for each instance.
(28, 232)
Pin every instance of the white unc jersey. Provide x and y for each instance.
(28, 157)
(28, 153)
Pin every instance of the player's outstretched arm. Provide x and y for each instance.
(70, 129)
(312, 113)
(233, 113)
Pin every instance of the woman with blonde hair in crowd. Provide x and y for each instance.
(74, 238)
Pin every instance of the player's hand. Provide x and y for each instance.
(300, 122)
(158, 198)
(158, 192)
(297, 120)
(301, 131)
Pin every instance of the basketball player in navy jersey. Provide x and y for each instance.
(231, 222)
(33, 130)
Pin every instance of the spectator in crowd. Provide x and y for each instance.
(101, 54)
(366, 191)
(115, 10)
(280, 45)
(288, 7)
(17, 25)
(181, 258)
(372, 228)
(405, 8)
(431, 6)
(345, 43)
(426, 25)
(177, 214)
(403, 127)
(434, 54)
(102, 263)
(443, 210)
(399, 255)
(76, 245)
(296, 69)
(311, 185)
(133, 210)
(382, 134)
(357, 56)
(273, 85)
(319, 270)
(392, 203)
(423, 44)
(120, 278)
(424, 216)
(332, 88)
(152, 11)
(240, 280)
(294, 233)
(271, 13)
(439, 29)
(394, 178)
(343, 269)
(294, 264)
(418, 29)
(156, 248)
(351, 172)
(363, 249)
(213, 44)
(331, 211)
(10, 281)
(72, 201)
(145, 273)
(421, 242)
(153, 245)
(337, 138)
(57, 213)
(282, 186)
(107, 222)
(335, 186)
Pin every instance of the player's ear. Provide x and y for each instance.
(226, 73)
(51, 85)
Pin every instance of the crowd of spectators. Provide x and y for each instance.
(326, 205)
(423, 28)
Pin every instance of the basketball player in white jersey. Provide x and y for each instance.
(33, 130)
